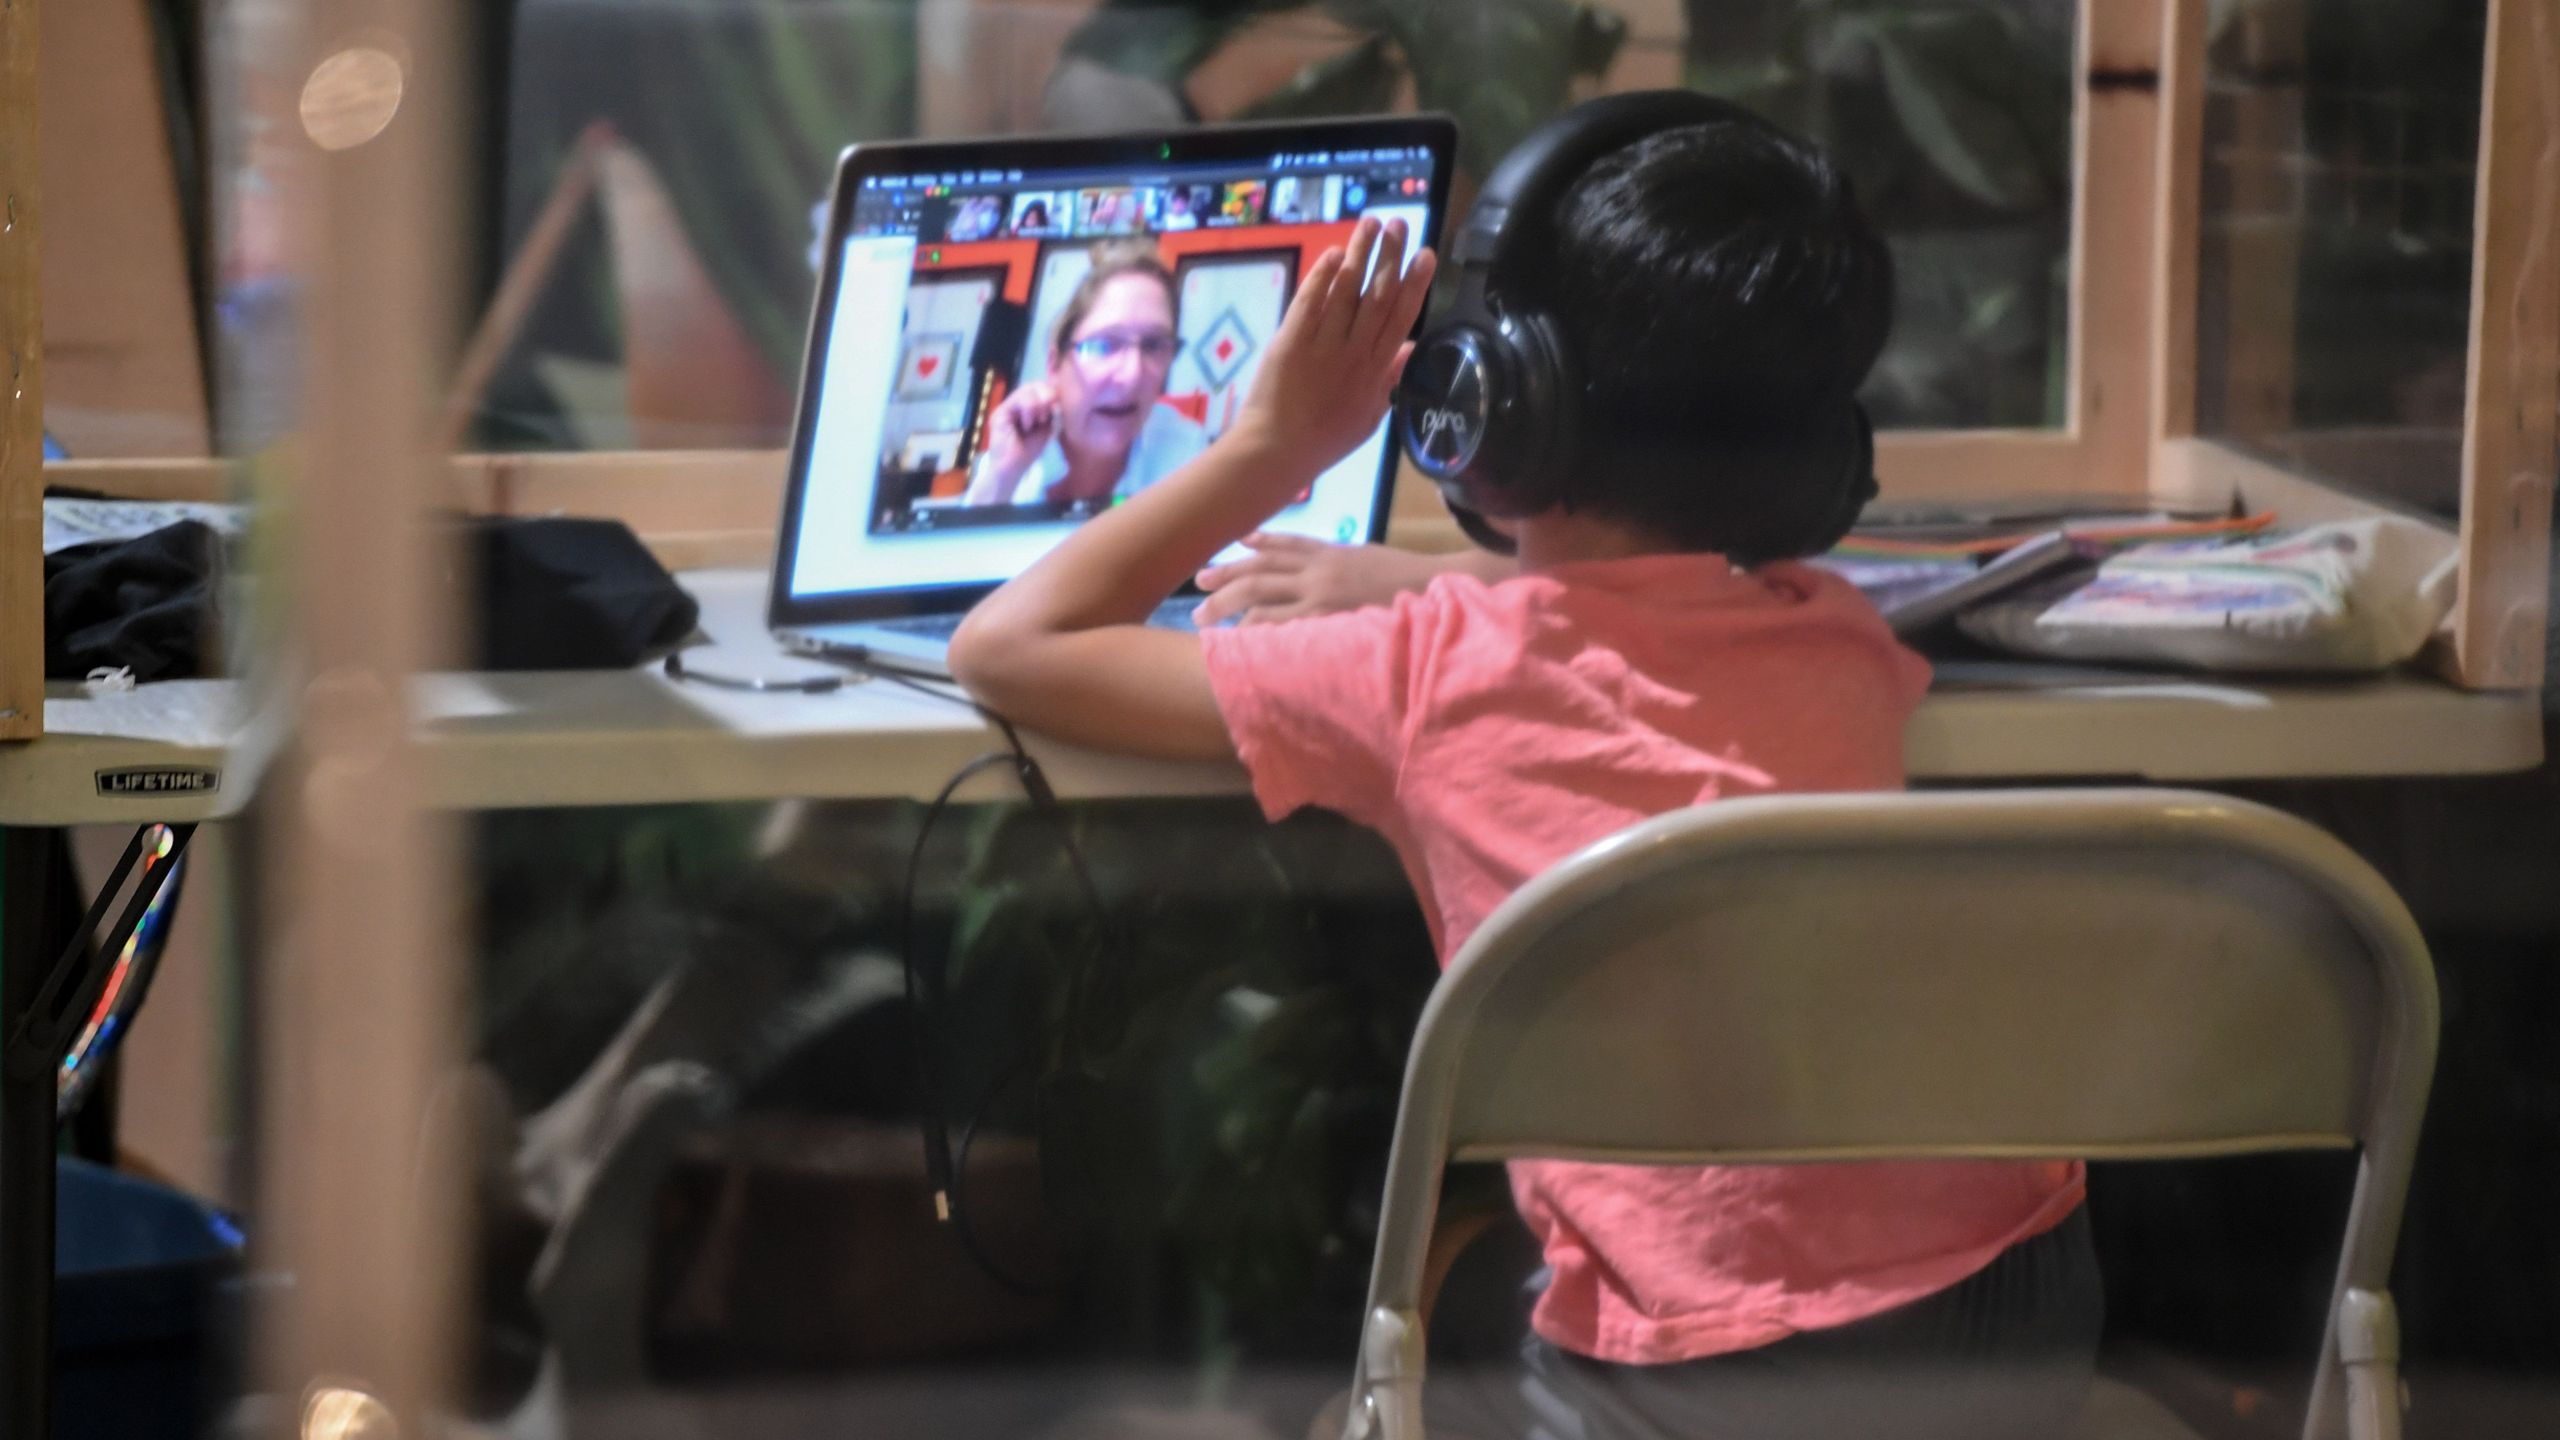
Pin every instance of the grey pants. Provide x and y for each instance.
(2005, 1353)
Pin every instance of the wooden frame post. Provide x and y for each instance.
(359, 1187)
(2112, 258)
(2513, 399)
(21, 385)
(2103, 446)
(2176, 218)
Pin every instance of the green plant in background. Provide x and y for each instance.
(1209, 1062)
(1499, 66)
(1217, 1063)
(1953, 119)
(548, 990)
(1952, 116)
(1963, 81)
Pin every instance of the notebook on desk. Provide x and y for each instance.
(968, 398)
(1922, 566)
(1917, 594)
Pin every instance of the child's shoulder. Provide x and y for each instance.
(1812, 584)
(1679, 591)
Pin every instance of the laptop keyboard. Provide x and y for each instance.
(1174, 614)
(923, 627)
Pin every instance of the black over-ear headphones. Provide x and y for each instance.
(1489, 406)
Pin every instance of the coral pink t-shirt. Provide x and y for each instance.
(1489, 731)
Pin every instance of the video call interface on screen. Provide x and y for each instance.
(982, 389)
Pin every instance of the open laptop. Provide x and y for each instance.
(946, 271)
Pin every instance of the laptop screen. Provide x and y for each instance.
(1006, 348)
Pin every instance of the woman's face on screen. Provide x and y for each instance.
(1114, 368)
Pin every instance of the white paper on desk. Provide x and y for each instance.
(86, 522)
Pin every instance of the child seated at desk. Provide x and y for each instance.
(1655, 645)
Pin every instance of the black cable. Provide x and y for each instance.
(923, 682)
(921, 998)
(1110, 940)
(945, 1169)
(676, 669)
(961, 1226)
(1044, 799)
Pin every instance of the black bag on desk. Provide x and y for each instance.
(568, 594)
(145, 604)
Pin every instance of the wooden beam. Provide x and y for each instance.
(2120, 39)
(668, 494)
(2116, 149)
(2179, 183)
(651, 490)
(207, 480)
(2203, 474)
(693, 509)
(2513, 404)
(1956, 465)
(21, 385)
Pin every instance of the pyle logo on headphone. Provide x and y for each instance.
(1438, 421)
(1444, 406)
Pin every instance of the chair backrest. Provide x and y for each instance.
(2022, 973)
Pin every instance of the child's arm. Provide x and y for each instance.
(1288, 576)
(1063, 649)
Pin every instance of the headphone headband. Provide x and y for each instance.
(1514, 213)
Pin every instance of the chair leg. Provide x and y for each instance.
(1386, 1403)
(1364, 1411)
(2368, 1343)
(2373, 1402)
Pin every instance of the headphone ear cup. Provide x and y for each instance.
(1446, 402)
(1525, 403)
(1857, 485)
(1549, 424)
(1531, 420)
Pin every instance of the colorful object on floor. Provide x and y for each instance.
(134, 966)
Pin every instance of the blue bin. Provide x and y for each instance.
(147, 1320)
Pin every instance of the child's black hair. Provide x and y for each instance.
(1726, 299)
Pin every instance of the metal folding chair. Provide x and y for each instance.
(2105, 974)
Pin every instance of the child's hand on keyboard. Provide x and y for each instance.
(1287, 576)
(1334, 363)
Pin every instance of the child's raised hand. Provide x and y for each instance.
(1334, 364)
